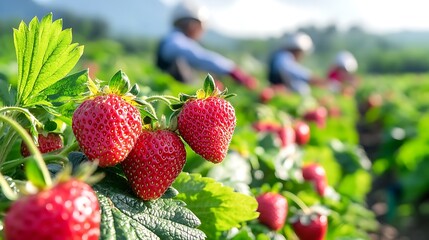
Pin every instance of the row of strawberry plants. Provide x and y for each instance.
(397, 116)
(260, 162)
(268, 157)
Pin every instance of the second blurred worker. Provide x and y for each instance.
(179, 53)
(284, 67)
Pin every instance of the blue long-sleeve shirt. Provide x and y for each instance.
(177, 45)
(292, 73)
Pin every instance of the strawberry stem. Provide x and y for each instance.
(163, 98)
(47, 159)
(11, 136)
(298, 201)
(27, 113)
(70, 148)
(151, 110)
(7, 143)
(31, 147)
(7, 190)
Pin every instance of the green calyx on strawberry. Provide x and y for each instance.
(273, 209)
(206, 121)
(310, 224)
(155, 162)
(108, 123)
(46, 143)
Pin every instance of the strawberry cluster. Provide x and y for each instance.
(109, 129)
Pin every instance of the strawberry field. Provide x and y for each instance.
(101, 145)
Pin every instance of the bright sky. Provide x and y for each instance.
(272, 17)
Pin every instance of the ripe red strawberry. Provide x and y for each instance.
(48, 143)
(154, 163)
(302, 132)
(334, 112)
(106, 128)
(374, 100)
(317, 115)
(272, 208)
(316, 174)
(69, 210)
(207, 125)
(311, 227)
(286, 135)
(266, 126)
(267, 94)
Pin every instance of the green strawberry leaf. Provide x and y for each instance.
(218, 207)
(125, 216)
(67, 89)
(45, 55)
(60, 98)
(120, 83)
(170, 193)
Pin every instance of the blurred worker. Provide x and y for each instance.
(180, 54)
(285, 68)
(341, 75)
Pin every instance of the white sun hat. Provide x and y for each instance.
(346, 60)
(190, 9)
(300, 41)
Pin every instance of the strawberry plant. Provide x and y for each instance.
(124, 134)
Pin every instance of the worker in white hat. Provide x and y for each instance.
(285, 67)
(342, 72)
(179, 53)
